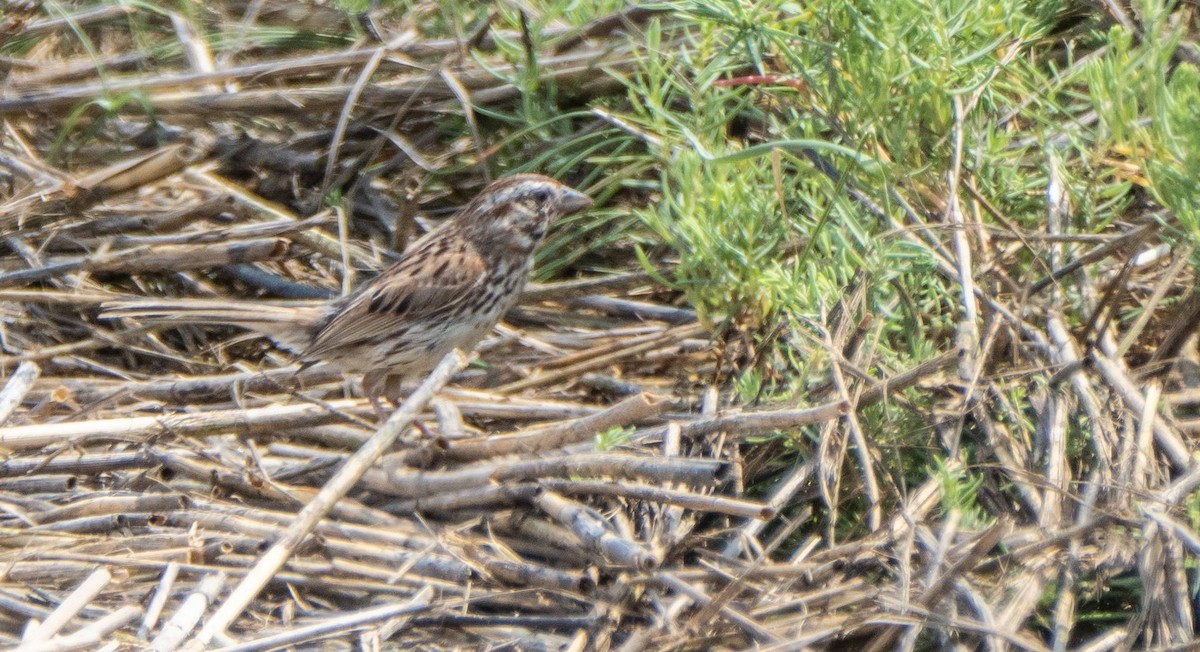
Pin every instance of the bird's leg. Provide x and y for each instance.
(374, 386)
(424, 429)
(392, 389)
(381, 414)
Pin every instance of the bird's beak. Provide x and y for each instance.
(573, 201)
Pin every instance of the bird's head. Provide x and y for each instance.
(513, 213)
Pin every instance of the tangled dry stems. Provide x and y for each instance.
(149, 470)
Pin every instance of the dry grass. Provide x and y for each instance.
(591, 483)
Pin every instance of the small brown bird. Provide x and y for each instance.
(447, 291)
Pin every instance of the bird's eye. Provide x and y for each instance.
(541, 195)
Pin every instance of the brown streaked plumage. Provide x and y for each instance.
(447, 291)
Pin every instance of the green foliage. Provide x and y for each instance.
(88, 120)
(613, 438)
(732, 235)
(959, 489)
(1148, 109)
(1192, 505)
(766, 234)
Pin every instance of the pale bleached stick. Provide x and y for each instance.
(329, 626)
(697, 595)
(252, 420)
(783, 491)
(272, 418)
(738, 426)
(548, 377)
(189, 389)
(486, 496)
(631, 410)
(160, 599)
(175, 631)
(684, 499)
(337, 487)
(17, 387)
(400, 481)
(90, 636)
(81, 597)
(595, 533)
(1114, 373)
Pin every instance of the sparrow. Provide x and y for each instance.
(446, 292)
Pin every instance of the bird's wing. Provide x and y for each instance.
(416, 288)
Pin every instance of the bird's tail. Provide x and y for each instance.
(290, 324)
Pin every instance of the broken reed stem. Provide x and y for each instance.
(89, 637)
(327, 626)
(187, 389)
(156, 258)
(161, 593)
(595, 533)
(577, 369)
(490, 496)
(408, 483)
(337, 487)
(631, 410)
(656, 494)
(176, 630)
(81, 597)
(248, 422)
(748, 424)
(1169, 441)
(16, 388)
